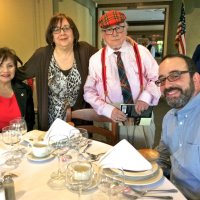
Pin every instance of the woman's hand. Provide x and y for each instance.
(118, 116)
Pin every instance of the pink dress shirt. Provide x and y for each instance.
(94, 91)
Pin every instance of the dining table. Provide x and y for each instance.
(32, 177)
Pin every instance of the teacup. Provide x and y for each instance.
(40, 149)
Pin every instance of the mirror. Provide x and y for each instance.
(148, 25)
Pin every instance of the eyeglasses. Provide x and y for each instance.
(173, 76)
(118, 29)
(64, 28)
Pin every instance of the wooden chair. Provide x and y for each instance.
(90, 115)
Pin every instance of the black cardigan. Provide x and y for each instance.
(24, 98)
(37, 66)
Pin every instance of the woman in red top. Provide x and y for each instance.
(15, 96)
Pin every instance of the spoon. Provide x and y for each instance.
(89, 144)
(133, 196)
(95, 157)
(143, 192)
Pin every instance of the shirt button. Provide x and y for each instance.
(22, 94)
(181, 123)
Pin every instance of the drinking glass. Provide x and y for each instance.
(78, 139)
(111, 182)
(59, 145)
(20, 126)
(11, 137)
(79, 176)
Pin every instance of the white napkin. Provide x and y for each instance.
(60, 128)
(124, 156)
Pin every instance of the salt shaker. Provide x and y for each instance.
(2, 191)
(9, 187)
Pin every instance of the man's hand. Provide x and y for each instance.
(118, 116)
(141, 106)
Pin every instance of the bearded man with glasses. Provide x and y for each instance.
(123, 73)
(179, 147)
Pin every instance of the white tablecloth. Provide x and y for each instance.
(31, 183)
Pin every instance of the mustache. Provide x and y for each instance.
(171, 89)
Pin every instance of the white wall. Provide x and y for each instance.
(23, 24)
(192, 31)
(81, 17)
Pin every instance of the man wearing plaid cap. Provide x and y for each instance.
(103, 88)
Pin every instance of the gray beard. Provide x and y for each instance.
(179, 102)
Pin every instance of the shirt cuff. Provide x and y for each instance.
(146, 97)
(107, 110)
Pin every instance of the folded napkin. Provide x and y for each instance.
(60, 128)
(124, 156)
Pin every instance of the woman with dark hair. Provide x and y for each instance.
(15, 96)
(61, 69)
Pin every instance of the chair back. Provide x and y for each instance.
(89, 114)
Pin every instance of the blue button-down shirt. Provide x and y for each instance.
(181, 137)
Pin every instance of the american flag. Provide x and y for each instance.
(180, 42)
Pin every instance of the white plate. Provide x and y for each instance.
(141, 175)
(146, 182)
(157, 177)
(34, 135)
(31, 157)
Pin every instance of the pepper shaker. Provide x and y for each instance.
(9, 187)
(2, 191)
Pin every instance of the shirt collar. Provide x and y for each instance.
(124, 48)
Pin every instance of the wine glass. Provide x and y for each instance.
(111, 182)
(11, 137)
(78, 139)
(79, 176)
(59, 145)
(20, 126)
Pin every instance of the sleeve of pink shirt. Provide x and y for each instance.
(93, 92)
(151, 93)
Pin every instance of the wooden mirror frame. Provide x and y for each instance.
(101, 7)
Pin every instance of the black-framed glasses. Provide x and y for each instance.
(173, 76)
(118, 29)
(64, 28)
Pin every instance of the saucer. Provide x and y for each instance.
(31, 157)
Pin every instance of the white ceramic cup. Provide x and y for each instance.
(40, 149)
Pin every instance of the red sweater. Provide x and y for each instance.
(9, 110)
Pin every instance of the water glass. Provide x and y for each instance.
(111, 182)
(59, 145)
(79, 176)
(11, 137)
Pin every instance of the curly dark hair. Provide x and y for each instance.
(53, 23)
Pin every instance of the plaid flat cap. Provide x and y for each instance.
(111, 18)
